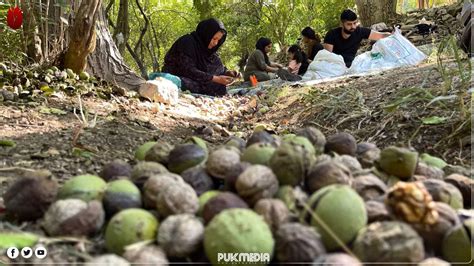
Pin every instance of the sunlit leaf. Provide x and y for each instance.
(82, 153)
(434, 120)
(7, 143)
(18, 240)
(63, 20)
(55, 111)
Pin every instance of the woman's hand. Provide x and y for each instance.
(224, 80)
(232, 73)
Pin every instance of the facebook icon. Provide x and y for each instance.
(13, 253)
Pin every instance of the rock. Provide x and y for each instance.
(160, 90)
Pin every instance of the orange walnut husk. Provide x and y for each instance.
(412, 203)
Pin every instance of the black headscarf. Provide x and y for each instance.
(206, 30)
(309, 33)
(261, 44)
(194, 46)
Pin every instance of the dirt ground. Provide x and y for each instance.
(58, 140)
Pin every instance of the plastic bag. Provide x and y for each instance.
(175, 79)
(391, 52)
(325, 65)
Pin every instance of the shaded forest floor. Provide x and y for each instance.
(394, 107)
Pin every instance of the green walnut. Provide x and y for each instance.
(444, 192)
(457, 244)
(258, 153)
(236, 142)
(293, 197)
(433, 161)
(84, 76)
(292, 161)
(341, 210)
(303, 141)
(70, 73)
(159, 152)
(185, 156)
(238, 231)
(400, 162)
(315, 136)
(119, 195)
(129, 226)
(84, 187)
(205, 197)
(198, 141)
(141, 151)
(288, 137)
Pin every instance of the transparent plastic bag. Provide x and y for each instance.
(391, 52)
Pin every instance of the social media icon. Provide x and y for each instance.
(41, 252)
(13, 253)
(26, 252)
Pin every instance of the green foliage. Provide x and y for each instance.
(404, 6)
(246, 21)
(11, 46)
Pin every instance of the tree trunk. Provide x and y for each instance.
(375, 11)
(30, 33)
(122, 30)
(107, 63)
(46, 29)
(82, 36)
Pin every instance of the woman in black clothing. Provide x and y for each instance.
(193, 58)
(312, 43)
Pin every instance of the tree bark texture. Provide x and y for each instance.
(30, 33)
(375, 11)
(122, 29)
(82, 36)
(107, 63)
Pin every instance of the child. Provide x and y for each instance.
(295, 57)
(297, 64)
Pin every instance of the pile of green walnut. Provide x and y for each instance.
(300, 197)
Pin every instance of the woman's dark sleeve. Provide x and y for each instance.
(190, 70)
(221, 66)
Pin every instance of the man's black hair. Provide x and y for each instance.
(348, 15)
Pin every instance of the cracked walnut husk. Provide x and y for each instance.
(412, 203)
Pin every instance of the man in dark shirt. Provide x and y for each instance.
(346, 40)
